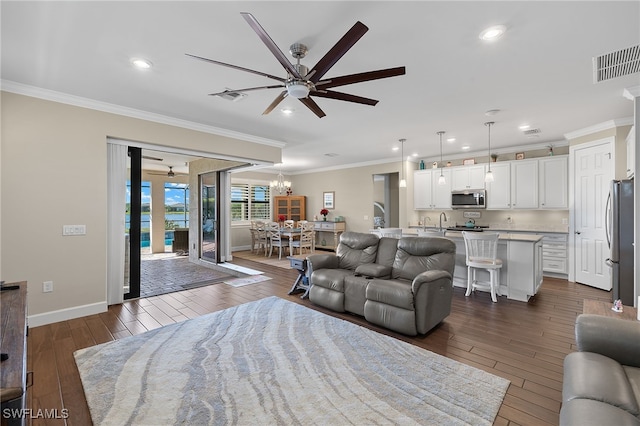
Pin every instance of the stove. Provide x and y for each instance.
(465, 228)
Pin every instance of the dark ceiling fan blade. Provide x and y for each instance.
(338, 50)
(310, 103)
(271, 45)
(343, 97)
(360, 77)
(248, 89)
(237, 67)
(275, 102)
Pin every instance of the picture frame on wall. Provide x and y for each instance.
(519, 155)
(328, 200)
(468, 161)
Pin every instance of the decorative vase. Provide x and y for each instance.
(324, 218)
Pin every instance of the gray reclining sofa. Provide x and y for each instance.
(401, 284)
(601, 382)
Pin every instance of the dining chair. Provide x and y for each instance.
(307, 232)
(482, 251)
(254, 235)
(262, 239)
(391, 232)
(275, 239)
(288, 224)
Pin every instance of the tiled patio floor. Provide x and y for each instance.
(162, 273)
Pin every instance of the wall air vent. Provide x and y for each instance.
(616, 64)
(230, 95)
(331, 154)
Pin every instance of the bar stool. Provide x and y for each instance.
(482, 250)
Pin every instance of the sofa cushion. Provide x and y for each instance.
(355, 249)
(633, 374)
(374, 270)
(419, 254)
(587, 412)
(355, 290)
(387, 248)
(589, 375)
(391, 292)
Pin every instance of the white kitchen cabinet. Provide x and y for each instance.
(554, 254)
(499, 191)
(631, 153)
(554, 182)
(524, 184)
(467, 177)
(428, 193)
(525, 269)
(422, 190)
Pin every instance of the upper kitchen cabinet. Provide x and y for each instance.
(468, 177)
(553, 182)
(524, 184)
(499, 191)
(631, 153)
(428, 193)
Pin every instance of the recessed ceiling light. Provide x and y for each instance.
(493, 33)
(415, 154)
(491, 112)
(140, 63)
(465, 147)
(450, 140)
(395, 148)
(524, 127)
(287, 111)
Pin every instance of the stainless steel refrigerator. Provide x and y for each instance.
(620, 239)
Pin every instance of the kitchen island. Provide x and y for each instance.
(521, 255)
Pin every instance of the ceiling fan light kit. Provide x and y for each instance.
(302, 83)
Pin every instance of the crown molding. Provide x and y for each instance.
(611, 124)
(631, 93)
(65, 98)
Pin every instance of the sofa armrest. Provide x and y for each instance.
(323, 261)
(612, 337)
(428, 277)
(374, 270)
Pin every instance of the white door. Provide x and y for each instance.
(592, 174)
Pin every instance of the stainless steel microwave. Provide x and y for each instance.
(469, 199)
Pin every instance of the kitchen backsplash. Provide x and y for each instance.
(534, 220)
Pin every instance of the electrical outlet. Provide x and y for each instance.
(47, 286)
(366, 217)
(565, 221)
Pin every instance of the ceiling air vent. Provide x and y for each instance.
(616, 64)
(230, 95)
(531, 132)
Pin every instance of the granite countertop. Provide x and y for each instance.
(551, 229)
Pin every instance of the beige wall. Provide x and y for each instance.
(54, 173)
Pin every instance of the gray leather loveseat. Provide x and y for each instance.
(401, 284)
(601, 383)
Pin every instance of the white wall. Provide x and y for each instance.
(53, 173)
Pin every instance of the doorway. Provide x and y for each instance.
(386, 200)
(592, 172)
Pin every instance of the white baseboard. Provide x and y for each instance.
(66, 314)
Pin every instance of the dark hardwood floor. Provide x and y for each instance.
(522, 342)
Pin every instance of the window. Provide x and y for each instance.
(176, 202)
(145, 221)
(250, 202)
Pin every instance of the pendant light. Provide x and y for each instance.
(403, 181)
(441, 179)
(488, 177)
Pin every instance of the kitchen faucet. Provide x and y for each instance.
(445, 219)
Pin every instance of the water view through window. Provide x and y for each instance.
(176, 210)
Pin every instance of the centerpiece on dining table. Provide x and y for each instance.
(324, 213)
(281, 219)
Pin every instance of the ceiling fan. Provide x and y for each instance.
(302, 83)
(169, 174)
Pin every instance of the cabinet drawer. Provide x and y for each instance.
(553, 253)
(327, 226)
(554, 265)
(554, 246)
(555, 238)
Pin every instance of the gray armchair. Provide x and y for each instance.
(601, 384)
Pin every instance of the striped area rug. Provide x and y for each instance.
(277, 362)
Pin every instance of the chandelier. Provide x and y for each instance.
(280, 184)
